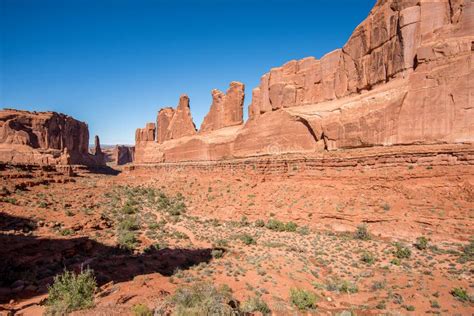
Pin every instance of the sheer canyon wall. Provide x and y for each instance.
(404, 77)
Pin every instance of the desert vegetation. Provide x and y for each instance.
(172, 246)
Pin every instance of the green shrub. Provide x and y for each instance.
(343, 286)
(396, 261)
(203, 299)
(259, 223)
(401, 251)
(348, 287)
(217, 253)
(43, 204)
(410, 308)
(244, 221)
(129, 223)
(421, 243)
(256, 304)
(460, 294)
(127, 239)
(174, 206)
(71, 292)
(468, 252)
(435, 304)
(304, 230)
(362, 232)
(141, 310)
(247, 239)
(279, 226)
(9, 200)
(367, 257)
(303, 299)
(290, 227)
(276, 225)
(129, 208)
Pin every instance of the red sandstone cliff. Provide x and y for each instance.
(405, 76)
(45, 138)
(226, 109)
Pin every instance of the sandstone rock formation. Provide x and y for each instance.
(146, 134)
(404, 77)
(226, 109)
(123, 154)
(96, 150)
(44, 138)
(163, 122)
(181, 123)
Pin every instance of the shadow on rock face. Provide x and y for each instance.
(28, 264)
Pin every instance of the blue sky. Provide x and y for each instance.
(115, 63)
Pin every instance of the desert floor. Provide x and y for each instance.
(145, 234)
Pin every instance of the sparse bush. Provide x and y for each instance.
(141, 310)
(222, 243)
(421, 243)
(276, 225)
(460, 294)
(378, 285)
(9, 200)
(367, 257)
(467, 252)
(174, 206)
(348, 287)
(435, 304)
(401, 251)
(303, 299)
(410, 308)
(152, 248)
(259, 223)
(247, 239)
(304, 230)
(127, 239)
(217, 253)
(203, 299)
(290, 227)
(129, 223)
(43, 204)
(66, 232)
(362, 232)
(343, 286)
(71, 292)
(129, 208)
(279, 226)
(396, 261)
(256, 304)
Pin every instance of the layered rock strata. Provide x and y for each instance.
(404, 77)
(226, 109)
(45, 138)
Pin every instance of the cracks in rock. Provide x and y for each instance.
(308, 126)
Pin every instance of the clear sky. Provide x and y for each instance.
(115, 63)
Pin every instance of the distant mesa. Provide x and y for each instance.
(46, 138)
(404, 77)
